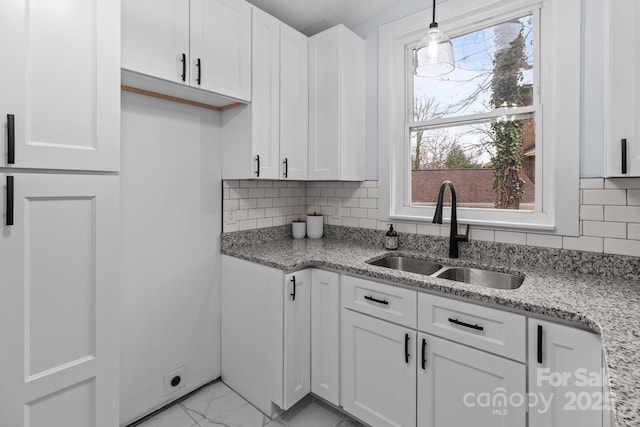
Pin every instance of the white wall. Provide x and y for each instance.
(592, 142)
(171, 223)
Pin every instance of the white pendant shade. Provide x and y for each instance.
(433, 56)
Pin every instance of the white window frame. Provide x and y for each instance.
(558, 67)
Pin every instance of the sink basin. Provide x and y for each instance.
(473, 276)
(489, 279)
(413, 265)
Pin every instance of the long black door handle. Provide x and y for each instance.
(539, 343)
(184, 67)
(257, 172)
(406, 348)
(623, 143)
(198, 79)
(9, 201)
(11, 139)
(293, 293)
(379, 301)
(424, 353)
(286, 167)
(466, 325)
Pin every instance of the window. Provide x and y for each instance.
(491, 125)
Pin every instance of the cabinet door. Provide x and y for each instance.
(59, 302)
(220, 36)
(622, 93)
(265, 100)
(459, 386)
(251, 331)
(60, 84)
(565, 368)
(297, 337)
(325, 335)
(378, 370)
(324, 105)
(155, 38)
(294, 102)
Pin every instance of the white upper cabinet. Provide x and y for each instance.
(294, 103)
(336, 105)
(156, 44)
(169, 46)
(60, 85)
(268, 139)
(622, 89)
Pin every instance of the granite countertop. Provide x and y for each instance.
(609, 307)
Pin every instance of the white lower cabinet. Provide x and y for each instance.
(265, 333)
(565, 376)
(325, 335)
(297, 337)
(459, 386)
(378, 370)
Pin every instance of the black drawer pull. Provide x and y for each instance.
(539, 343)
(184, 67)
(11, 139)
(286, 167)
(257, 172)
(9, 220)
(424, 353)
(466, 325)
(198, 79)
(623, 143)
(379, 301)
(293, 293)
(406, 348)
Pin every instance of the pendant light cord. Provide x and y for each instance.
(434, 24)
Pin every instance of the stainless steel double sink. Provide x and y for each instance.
(473, 276)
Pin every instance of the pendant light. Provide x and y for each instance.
(433, 56)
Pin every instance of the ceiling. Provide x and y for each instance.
(312, 16)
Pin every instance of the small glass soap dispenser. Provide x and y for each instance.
(391, 238)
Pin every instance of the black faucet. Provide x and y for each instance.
(454, 237)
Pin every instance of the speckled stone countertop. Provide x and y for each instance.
(606, 305)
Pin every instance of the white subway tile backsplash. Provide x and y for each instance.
(622, 247)
(583, 243)
(544, 240)
(622, 213)
(604, 229)
(511, 237)
(596, 183)
(609, 212)
(604, 197)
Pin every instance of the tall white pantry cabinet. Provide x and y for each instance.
(60, 109)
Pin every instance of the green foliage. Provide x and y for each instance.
(506, 87)
(458, 159)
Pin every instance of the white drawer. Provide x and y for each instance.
(386, 302)
(496, 331)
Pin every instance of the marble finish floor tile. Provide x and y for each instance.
(218, 405)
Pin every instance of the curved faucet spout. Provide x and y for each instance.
(454, 237)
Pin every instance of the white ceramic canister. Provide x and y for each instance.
(314, 225)
(299, 228)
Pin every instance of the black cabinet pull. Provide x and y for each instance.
(184, 67)
(199, 66)
(424, 353)
(623, 143)
(539, 343)
(257, 172)
(11, 139)
(379, 301)
(293, 293)
(406, 348)
(286, 167)
(9, 200)
(466, 325)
